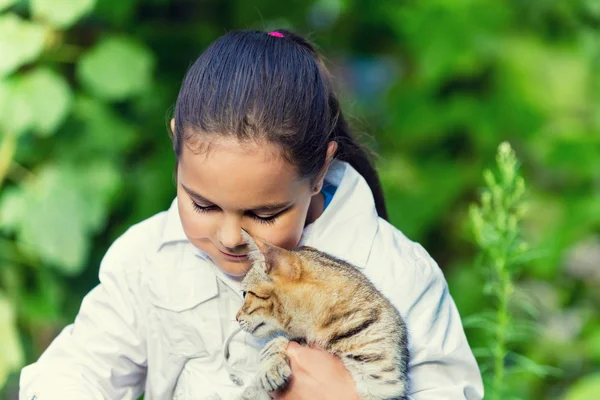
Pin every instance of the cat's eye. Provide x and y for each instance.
(244, 294)
(262, 296)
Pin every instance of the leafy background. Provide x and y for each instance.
(86, 88)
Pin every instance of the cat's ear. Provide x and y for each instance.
(255, 253)
(273, 260)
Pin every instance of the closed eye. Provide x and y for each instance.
(203, 209)
(255, 295)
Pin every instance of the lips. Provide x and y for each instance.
(234, 256)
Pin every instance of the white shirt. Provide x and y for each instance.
(162, 319)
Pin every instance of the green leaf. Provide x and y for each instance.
(63, 208)
(12, 208)
(585, 389)
(15, 113)
(97, 187)
(5, 4)
(49, 97)
(20, 42)
(117, 68)
(54, 226)
(61, 13)
(11, 356)
(39, 100)
(102, 129)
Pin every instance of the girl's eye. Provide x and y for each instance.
(265, 220)
(203, 209)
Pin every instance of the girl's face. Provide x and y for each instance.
(236, 186)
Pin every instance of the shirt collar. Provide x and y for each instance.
(173, 230)
(346, 228)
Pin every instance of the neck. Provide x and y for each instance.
(316, 208)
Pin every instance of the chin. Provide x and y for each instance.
(235, 269)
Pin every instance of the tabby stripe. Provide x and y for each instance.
(336, 317)
(366, 357)
(356, 330)
(255, 309)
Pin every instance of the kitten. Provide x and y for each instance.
(309, 296)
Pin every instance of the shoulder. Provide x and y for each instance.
(395, 257)
(129, 251)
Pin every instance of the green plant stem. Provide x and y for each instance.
(503, 318)
(8, 147)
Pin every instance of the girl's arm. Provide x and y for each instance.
(442, 365)
(102, 355)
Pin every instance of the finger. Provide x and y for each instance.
(293, 350)
(293, 345)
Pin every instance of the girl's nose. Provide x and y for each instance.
(230, 234)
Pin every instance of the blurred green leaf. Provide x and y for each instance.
(103, 130)
(20, 42)
(38, 100)
(50, 198)
(593, 344)
(11, 356)
(5, 4)
(61, 13)
(44, 304)
(97, 187)
(61, 199)
(552, 79)
(586, 388)
(12, 209)
(116, 68)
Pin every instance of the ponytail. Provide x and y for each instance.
(351, 151)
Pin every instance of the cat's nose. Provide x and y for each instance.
(237, 317)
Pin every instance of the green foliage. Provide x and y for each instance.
(11, 355)
(37, 101)
(587, 388)
(61, 13)
(496, 227)
(117, 68)
(86, 89)
(20, 42)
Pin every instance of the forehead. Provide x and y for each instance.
(238, 174)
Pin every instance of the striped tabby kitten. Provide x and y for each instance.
(309, 296)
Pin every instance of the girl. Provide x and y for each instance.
(261, 145)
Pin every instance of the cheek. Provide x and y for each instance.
(195, 225)
(287, 230)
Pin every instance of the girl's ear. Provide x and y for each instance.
(173, 125)
(331, 150)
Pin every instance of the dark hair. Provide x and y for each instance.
(254, 86)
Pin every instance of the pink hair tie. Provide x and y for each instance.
(275, 34)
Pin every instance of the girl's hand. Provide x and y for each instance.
(316, 375)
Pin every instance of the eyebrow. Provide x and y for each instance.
(263, 208)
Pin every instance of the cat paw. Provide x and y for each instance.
(275, 369)
(275, 374)
(275, 348)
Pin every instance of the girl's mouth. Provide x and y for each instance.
(233, 257)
